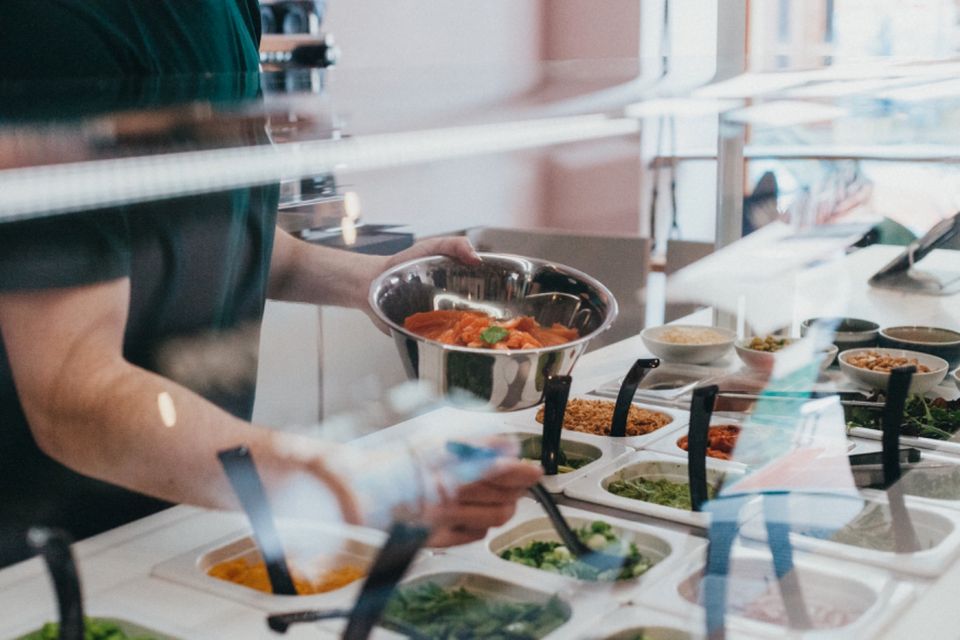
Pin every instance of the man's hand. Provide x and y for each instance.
(474, 508)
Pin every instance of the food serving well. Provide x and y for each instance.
(357, 547)
(668, 548)
(503, 286)
(650, 465)
(872, 596)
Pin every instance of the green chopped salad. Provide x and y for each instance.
(871, 529)
(935, 418)
(456, 613)
(93, 629)
(663, 492)
(552, 556)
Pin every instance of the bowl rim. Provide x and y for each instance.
(378, 282)
(861, 333)
(646, 334)
(950, 343)
(942, 367)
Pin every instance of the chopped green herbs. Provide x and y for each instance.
(94, 629)
(458, 613)
(938, 419)
(494, 334)
(663, 492)
(555, 557)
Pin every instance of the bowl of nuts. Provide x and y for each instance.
(871, 367)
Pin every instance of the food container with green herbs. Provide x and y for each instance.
(634, 621)
(450, 597)
(928, 423)
(100, 628)
(580, 454)
(528, 544)
(861, 530)
(652, 484)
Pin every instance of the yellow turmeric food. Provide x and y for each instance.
(253, 575)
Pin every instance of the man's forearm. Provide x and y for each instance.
(138, 430)
(303, 272)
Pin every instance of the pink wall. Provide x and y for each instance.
(590, 29)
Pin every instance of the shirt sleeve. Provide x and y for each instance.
(64, 251)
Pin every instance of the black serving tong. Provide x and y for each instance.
(389, 567)
(54, 546)
(639, 370)
(596, 559)
(245, 480)
(555, 394)
(701, 409)
(905, 536)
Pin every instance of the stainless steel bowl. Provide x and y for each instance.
(503, 286)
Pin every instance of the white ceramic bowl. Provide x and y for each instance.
(764, 360)
(956, 378)
(687, 353)
(919, 383)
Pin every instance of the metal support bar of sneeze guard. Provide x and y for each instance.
(776, 515)
(904, 534)
(724, 527)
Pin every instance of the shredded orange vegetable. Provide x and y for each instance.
(254, 576)
(469, 329)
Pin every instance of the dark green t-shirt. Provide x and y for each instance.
(197, 265)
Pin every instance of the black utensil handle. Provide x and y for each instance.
(621, 411)
(567, 535)
(245, 480)
(892, 418)
(402, 545)
(54, 546)
(280, 622)
(701, 409)
(556, 393)
(776, 515)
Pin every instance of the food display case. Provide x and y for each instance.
(557, 148)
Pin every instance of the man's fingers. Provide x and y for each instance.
(513, 474)
(456, 515)
(456, 247)
(449, 537)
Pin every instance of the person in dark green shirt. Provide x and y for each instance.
(95, 427)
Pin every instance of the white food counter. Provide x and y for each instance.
(149, 571)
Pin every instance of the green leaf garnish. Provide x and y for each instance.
(494, 334)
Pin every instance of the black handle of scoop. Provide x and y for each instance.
(245, 480)
(904, 535)
(599, 560)
(776, 515)
(701, 409)
(556, 393)
(891, 419)
(54, 546)
(280, 622)
(639, 370)
(402, 545)
(567, 535)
